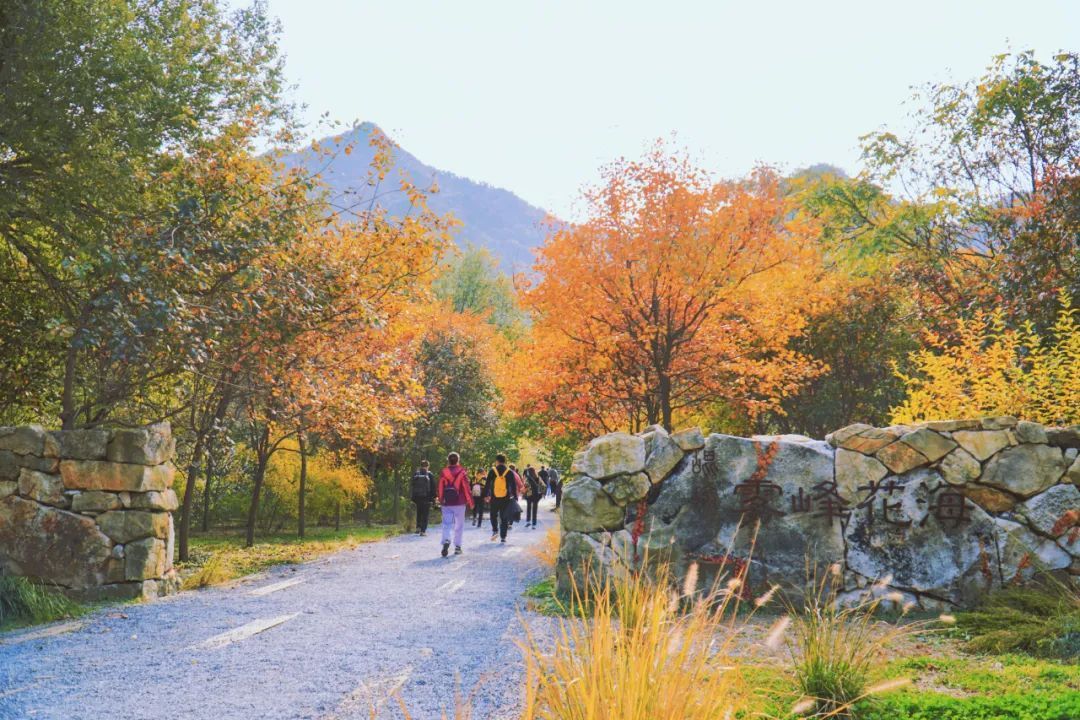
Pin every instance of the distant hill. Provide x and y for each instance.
(491, 217)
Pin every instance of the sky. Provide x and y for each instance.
(537, 96)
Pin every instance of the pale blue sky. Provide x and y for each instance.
(535, 96)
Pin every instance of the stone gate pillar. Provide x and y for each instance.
(89, 511)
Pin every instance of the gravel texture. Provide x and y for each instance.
(385, 617)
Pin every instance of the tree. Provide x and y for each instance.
(676, 293)
(103, 103)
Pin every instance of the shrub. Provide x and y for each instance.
(1041, 620)
(26, 602)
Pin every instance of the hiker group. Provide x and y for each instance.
(499, 490)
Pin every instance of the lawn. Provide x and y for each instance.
(220, 555)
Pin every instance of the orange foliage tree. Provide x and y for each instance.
(677, 294)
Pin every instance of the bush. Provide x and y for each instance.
(1009, 706)
(26, 602)
(1042, 621)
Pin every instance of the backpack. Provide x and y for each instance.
(450, 494)
(499, 488)
(421, 484)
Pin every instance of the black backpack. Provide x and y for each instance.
(421, 484)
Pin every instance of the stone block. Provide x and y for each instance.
(123, 526)
(165, 500)
(614, 454)
(951, 425)
(836, 439)
(988, 498)
(151, 445)
(582, 563)
(113, 592)
(929, 443)
(959, 467)
(689, 440)
(900, 457)
(41, 464)
(1029, 432)
(82, 444)
(144, 559)
(9, 465)
(23, 440)
(51, 448)
(870, 441)
(854, 470)
(1024, 470)
(662, 454)
(101, 475)
(981, 444)
(1073, 473)
(95, 501)
(44, 488)
(1065, 437)
(627, 489)
(1002, 422)
(587, 508)
(8, 487)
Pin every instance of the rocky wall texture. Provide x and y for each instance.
(89, 511)
(942, 512)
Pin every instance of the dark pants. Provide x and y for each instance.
(478, 511)
(531, 506)
(423, 508)
(558, 496)
(499, 523)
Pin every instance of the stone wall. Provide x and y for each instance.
(89, 511)
(942, 512)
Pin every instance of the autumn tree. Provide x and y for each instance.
(676, 293)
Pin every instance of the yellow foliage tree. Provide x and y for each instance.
(330, 480)
(990, 369)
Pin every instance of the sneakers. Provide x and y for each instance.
(494, 536)
(502, 540)
(457, 549)
(423, 533)
(445, 549)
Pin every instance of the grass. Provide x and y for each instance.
(647, 653)
(1043, 621)
(834, 649)
(220, 556)
(26, 602)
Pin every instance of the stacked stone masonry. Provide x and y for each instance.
(89, 511)
(932, 516)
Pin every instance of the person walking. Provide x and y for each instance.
(556, 486)
(454, 496)
(534, 490)
(500, 489)
(544, 477)
(423, 494)
(478, 498)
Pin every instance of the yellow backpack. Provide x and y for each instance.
(499, 490)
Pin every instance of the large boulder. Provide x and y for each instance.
(582, 561)
(906, 533)
(1024, 469)
(611, 455)
(587, 508)
(1054, 512)
(115, 476)
(1020, 555)
(52, 544)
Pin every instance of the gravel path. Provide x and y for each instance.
(341, 634)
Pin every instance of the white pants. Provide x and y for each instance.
(453, 517)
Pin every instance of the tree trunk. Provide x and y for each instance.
(206, 490)
(665, 401)
(67, 400)
(303, 484)
(253, 509)
(337, 516)
(189, 494)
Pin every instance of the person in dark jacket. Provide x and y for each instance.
(534, 490)
(423, 494)
(478, 498)
(556, 486)
(500, 491)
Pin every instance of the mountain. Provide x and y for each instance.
(491, 217)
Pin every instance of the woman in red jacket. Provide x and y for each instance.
(455, 495)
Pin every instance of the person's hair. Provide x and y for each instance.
(513, 466)
(453, 458)
(424, 463)
(500, 458)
